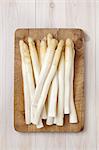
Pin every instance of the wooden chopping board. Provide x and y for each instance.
(77, 35)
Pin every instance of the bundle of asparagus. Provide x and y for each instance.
(48, 73)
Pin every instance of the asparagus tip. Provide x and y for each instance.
(61, 43)
(21, 42)
(30, 39)
(49, 35)
(69, 42)
(53, 43)
(44, 39)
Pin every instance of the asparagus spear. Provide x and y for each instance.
(38, 48)
(49, 38)
(47, 83)
(52, 97)
(73, 114)
(28, 80)
(27, 100)
(61, 95)
(43, 47)
(42, 53)
(50, 120)
(68, 72)
(35, 60)
(36, 68)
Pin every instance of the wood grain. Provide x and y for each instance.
(77, 36)
(97, 73)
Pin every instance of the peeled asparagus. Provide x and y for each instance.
(68, 74)
(48, 80)
(43, 48)
(50, 121)
(36, 68)
(73, 114)
(61, 92)
(52, 97)
(52, 100)
(35, 60)
(42, 53)
(28, 80)
(38, 48)
(54, 120)
(27, 100)
(44, 71)
(40, 123)
(49, 38)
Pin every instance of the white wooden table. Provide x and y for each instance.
(47, 13)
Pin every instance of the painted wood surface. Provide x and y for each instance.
(47, 13)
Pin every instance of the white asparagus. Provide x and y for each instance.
(73, 114)
(61, 93)
(49, 38)
(27, 100)
(48, 81)
(40, 123)
(42, 52)
(43, 48)
(28, 79)
(54, 120)
(68, 73)
(50, 121)
(52, 97)
(38, 48)
(35, 59)
(44, 71)
(36, 68)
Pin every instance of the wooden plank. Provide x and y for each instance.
(97, 71)
(57, 16)
(42, 14)
(12, 15)
(78, 37)
(82, 14)
(1, 81)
